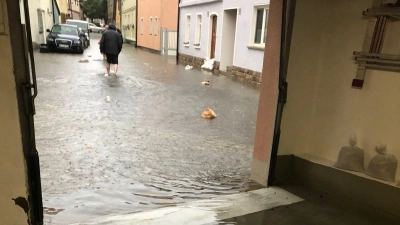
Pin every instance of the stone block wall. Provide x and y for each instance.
(194, 61)
(246, 75)
(236, 73)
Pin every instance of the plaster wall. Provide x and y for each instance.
(12, 163)
(147, 9)
(206, 10)
(167, 13)
(34, 5)
(228, 38)
(63, 6)
(129, 17)
(322, 108)
(243, 56)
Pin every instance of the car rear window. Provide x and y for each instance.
(84, 26)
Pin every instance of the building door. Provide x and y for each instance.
(228, 39)
(213, 36)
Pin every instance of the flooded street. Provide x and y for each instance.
(147, 147)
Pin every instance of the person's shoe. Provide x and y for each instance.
(106, 75)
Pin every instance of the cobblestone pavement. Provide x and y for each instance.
(148, 146)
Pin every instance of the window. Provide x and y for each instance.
(151, 25)
(141, 26)
(260, 25)
(155, 26)
(198, 30)
(2, 27)
(40, 21)
(187, 30)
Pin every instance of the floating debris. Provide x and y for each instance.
(108, 99)
(209, 114)
(188, 67)
(205, 82)
(83, 60)
(51, 211)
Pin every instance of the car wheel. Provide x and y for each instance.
(99, 31)
(81, 51)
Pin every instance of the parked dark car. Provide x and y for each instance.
(65, 37)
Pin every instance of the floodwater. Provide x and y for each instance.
(147, 147)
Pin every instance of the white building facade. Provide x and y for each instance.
(229, 31)
(42, 16)
(128, 25)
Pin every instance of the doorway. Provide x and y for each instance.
(213, 37)
(228, 39)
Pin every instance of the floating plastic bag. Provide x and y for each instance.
(208, 64)
(383, 166)
(351, 157)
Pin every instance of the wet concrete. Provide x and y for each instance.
(317, 208)
(146, 148)
(206, 212)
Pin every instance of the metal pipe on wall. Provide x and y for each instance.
(137, 11)
(177, 33)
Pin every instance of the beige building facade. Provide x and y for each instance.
(128, 20)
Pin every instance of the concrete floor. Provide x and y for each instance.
(210, 211)
(317, 208)
(267, 206)
(146, 148)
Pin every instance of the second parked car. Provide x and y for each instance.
(95, 28)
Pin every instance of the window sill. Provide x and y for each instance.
(186, 45)
(254, 47)
(196, 46)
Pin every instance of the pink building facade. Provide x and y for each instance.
(153, 16)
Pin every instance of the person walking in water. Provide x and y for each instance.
(104, 55)
(111, 45)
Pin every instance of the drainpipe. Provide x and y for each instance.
(136, 25)
(177, 30)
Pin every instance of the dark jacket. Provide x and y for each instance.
(119, 31)
(111, 41)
